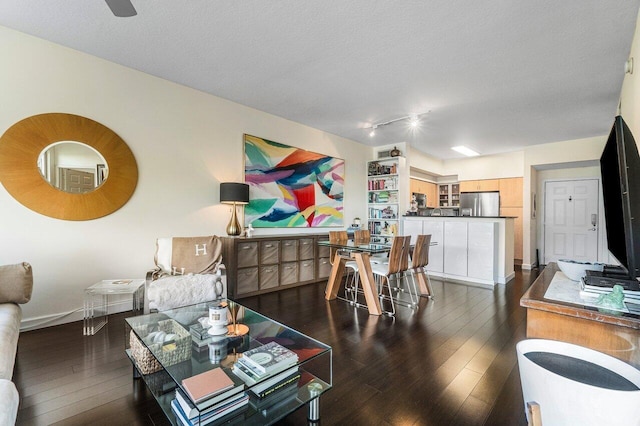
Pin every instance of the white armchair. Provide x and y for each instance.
(189, 270)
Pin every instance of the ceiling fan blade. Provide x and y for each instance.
(122, 8)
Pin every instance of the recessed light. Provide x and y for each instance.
(465, 151)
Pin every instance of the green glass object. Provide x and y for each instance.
(613, 300)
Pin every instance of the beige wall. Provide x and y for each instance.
(185, 143)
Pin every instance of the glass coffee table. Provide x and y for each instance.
(189, 351)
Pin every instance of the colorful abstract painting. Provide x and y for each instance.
(291, 187)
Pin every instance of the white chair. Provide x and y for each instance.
(574, 385)
(189, 270)
(395, 269)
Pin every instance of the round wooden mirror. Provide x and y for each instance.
(22, 144)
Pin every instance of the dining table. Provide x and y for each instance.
(346, 250)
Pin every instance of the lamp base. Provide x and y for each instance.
(233, 228)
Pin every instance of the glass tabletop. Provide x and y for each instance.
(372, 248)
(190, 350)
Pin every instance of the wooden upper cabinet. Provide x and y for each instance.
(480, 185)
(414, 186)
(427, 188)
(432, 194)
(511, 192)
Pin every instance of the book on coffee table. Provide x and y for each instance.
(208, 384)
(269, 358)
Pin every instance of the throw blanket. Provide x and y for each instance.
(170, 292)
(188, 255)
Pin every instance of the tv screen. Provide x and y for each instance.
(620, 170)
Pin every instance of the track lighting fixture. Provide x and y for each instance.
(413, 119)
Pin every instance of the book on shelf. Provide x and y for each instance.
(269, 358)
(227, 410)
(211, 404)
(208, 384)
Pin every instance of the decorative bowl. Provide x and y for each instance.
(575, 269)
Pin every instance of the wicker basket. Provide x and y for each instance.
(145, 361)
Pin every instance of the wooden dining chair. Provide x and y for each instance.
(363, 236)
(396, 269)
(418, 266)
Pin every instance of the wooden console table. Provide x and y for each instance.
(267, 263)
(615, 335)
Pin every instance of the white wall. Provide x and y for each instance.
(185, 143)
(504, 165)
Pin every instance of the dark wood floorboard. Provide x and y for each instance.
(451, 362)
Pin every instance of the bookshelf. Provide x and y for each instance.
(387, 190)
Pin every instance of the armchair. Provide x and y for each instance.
(189, 270)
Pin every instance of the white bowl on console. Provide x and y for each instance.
(575, 270)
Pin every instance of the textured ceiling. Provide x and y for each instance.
(496, 75)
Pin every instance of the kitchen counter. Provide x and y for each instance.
(469, 248)
(464, 217)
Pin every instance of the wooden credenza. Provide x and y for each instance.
(615, 335)
(269, 263)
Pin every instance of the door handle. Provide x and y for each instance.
(591, 229)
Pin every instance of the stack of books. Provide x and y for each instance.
(268, 369)
(207, 397)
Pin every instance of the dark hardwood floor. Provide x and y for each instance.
(451, 363)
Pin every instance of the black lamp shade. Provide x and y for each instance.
(231, 192)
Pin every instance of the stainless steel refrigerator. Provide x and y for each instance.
(480, 203)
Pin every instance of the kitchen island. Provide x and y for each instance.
(469, 248)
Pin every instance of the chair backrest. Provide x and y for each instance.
(362, 236)
(399, 254)
(420, 257)
(335, 237)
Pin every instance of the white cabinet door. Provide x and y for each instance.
(412, 227)
(436, 252)
(455, 250)
(482, 250)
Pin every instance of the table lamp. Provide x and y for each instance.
(234, 193)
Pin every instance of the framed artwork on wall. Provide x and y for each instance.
(290, 187)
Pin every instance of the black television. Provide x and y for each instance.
(620, 170)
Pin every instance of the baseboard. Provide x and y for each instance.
(44, 321)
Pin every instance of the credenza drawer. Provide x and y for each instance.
(247, 280)
(247, 254)
(306, 270)
(268, 276)
(289, 273)
(289, 250)
(307, 246)
(324, 267)
(269, 252)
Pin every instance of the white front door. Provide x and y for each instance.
(571, 220)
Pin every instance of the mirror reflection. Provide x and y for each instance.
(72, 167)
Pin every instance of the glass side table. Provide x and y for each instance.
(96, 301)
